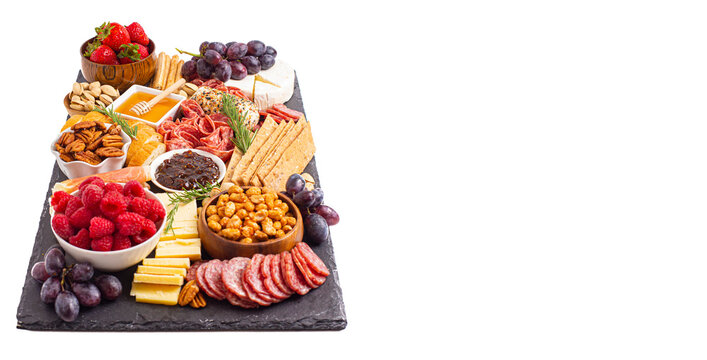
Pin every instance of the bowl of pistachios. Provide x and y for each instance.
(85, 97)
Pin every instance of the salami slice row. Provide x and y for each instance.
(262, 280)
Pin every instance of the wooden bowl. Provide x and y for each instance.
(122, 76)
(219, 247)
(72, 112)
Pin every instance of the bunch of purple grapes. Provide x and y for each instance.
(233, 60)
(317, 216)
(70, 287)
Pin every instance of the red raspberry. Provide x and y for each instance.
(147, 229)
(113, 204)
(140, 206)
(59, 201)
(81, 239)
(121, 242)
(81, 218)
(157, 210)
(113, 187)
(105, 243)
(129, 223)
(91, 196)
(133, 189)
(73, 205)
(100, 227)
(62, 227)
(93, 180)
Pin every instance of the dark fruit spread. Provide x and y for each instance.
(186, 171)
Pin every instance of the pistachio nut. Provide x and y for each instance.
(109, 90)
(77, 89)
(107, 100)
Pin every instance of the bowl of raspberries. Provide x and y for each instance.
(110, 225)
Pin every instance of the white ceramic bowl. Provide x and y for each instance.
(160, 159)
(138, 88)
(111, 261)
(75, 169)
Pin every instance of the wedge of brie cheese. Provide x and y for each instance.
(267, 95)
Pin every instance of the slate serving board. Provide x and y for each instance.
(320, 309)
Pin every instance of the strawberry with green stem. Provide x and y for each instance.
(131, 53)
(112, 35)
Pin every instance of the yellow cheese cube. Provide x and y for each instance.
(155, 294)
(175, 262)
(192, 252)
(180, 233)
(161, 270)
(179, 242)
(158, 279)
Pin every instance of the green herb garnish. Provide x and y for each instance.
(242, 137)
(117, 119)
(202, 192)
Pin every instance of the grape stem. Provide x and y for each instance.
(188, 53)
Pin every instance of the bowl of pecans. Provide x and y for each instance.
(89, 148)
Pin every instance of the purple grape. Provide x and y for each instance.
(304, 198)
(222, 71)
(220, 48)
(54, 261)
(87, 293)
(316, 230)
(55, 246)
(212, 57)
(204, 69)
(238, 70)
(318, 197)
(39, 272)
(81, 272)
(266, 61)
(50, 290)
(228, 44)
(236, 51)
(295, 183)
(67, 306)
(109, 285)
(203, 47)
(269, 50)
(189, 70)
(252, 64)
(256, 48)
(329, 214)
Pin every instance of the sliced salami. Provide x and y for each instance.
(191, 273)
(293, 278)
(201, 279)
(312, 279)
(312, 260)
(268, 283)
(232, 276)
(253, 278)
(213, 279)
(276, 273)
(236, 301)
(253, 296)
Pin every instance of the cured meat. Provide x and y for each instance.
(312, 260)
(252, 277)
(191, 273)
(268, 281)
(201, 279)
(276, 273)
(139, 173)
(253, 296)
(293, 278)
(232, 276)
(312, 279)
(289, 112)
(213, 279)
(236, 301)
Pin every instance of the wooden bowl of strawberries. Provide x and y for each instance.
(119, 56)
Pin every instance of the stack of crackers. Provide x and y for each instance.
(278, 151)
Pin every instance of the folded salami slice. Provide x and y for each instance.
(293, 278)
(232, 276)
(312, 279)
(312, 260)
(213, 279)
(276, 273)
(265, 271)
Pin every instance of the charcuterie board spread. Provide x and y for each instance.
(185, 196)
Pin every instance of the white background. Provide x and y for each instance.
(515, 180)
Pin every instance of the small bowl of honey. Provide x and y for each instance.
(167, 107)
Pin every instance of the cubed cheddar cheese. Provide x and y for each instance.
(191, 252)
(175, 262)
(155, 294)
(159, 279)
(161, 270)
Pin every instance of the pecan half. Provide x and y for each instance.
(65, 139)
(188, 293)
(76, 146)
(101, 126)
(59, 148)
(83, 125)
(114, 130)
(95, 144)
(198, 302)
(109, 152)
(84, 135)
(113, 141)
(66, 157)
(88, 157)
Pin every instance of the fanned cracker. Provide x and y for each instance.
(293, 160)
(260, 138)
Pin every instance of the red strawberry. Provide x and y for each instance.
(104, 55)
(113, 35)
(131, 53)
(91, 47)
(137, 34)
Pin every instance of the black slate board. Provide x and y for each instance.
(320, 309)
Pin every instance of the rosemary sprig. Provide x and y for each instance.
(117, 119)
(242, 137)
(202, 192)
